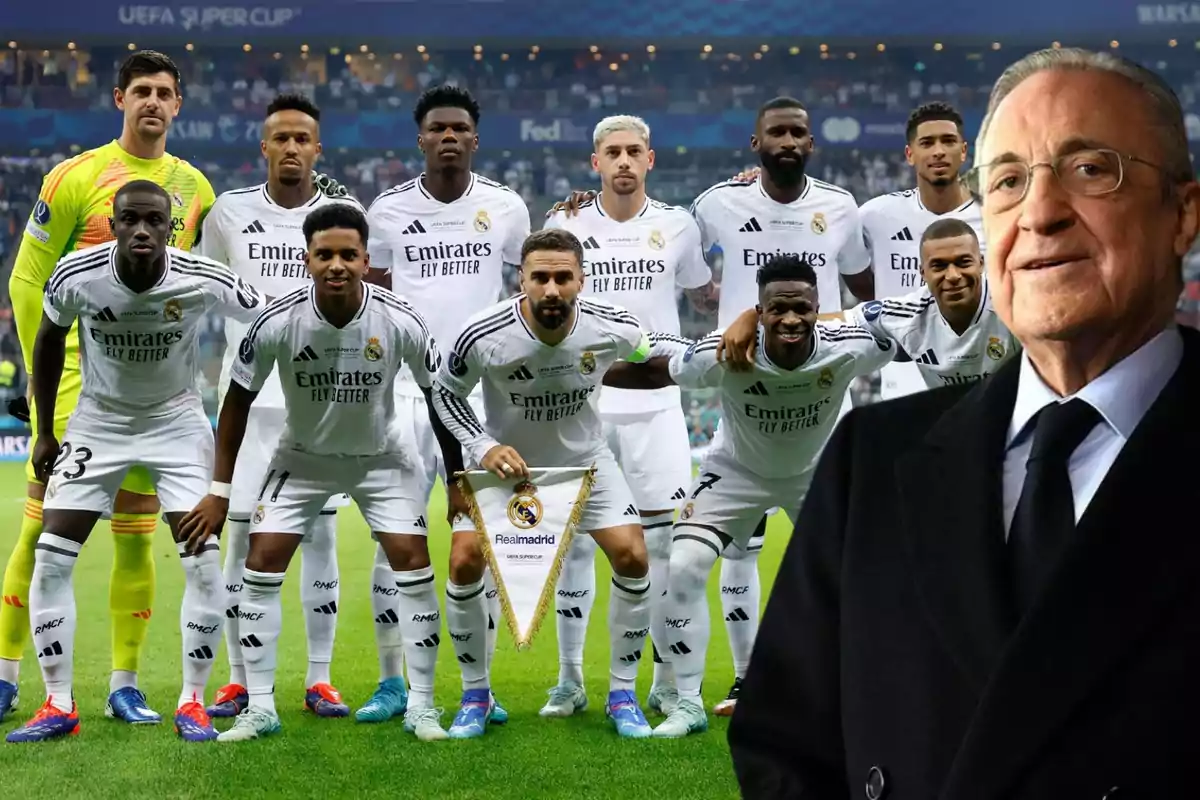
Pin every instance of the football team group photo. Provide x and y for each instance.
(452, 421)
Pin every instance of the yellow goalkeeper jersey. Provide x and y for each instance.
(73, 211)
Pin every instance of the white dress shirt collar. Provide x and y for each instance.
(1122, 395)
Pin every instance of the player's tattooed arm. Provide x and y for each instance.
(49, 355)
(706, 298)
(207, 518)
(452, 455)
(573, 203)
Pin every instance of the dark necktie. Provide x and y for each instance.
(1045, 515)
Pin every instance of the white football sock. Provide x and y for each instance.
(385, 611)
(687, 622)
(52, 616)
(261, 623)
(628, 626)
(740, 592)
(659, 531)
(319, 593)
(200, 617)
(494, 612)
(420, 625)
(573, 601)
(466, 621)
(237, 545)
(120, 678)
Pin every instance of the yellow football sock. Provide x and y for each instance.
(14, 609)
(131, 591)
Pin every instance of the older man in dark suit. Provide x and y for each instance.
(994, 592)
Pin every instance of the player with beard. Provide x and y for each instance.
(258, 232)
(638, 253)
(777, 417)
(441, 241)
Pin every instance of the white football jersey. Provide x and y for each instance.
(741, 227)
(337, 382)
(893, 225)
(262, 242)
(775, 421)
(140, 352)
(943, 358)
(447, 259)
(538, 399)
(640, 265)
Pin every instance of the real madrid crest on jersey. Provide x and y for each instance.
(525, 509)
(995, 348)
(482, 223)
(587, 362)
(688, 510)
(656, 240)
(177, 199)
(172, 311)
(819, 225)
(259, 513)
(374, 350)
(825, 378)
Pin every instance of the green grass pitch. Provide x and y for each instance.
(575, 758)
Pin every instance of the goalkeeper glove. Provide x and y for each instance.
(328, 186)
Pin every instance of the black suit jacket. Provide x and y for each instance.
(889, 663)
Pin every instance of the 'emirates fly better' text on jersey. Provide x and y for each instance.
(538, 398)
(776, 421)
(447, 259)
(263, 243)
(337, 382)
(640, 265)
(742, 227)
(893, 225)
(943, 358)
(140, 350)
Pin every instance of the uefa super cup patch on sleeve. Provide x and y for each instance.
(37, 232)
(872, 310)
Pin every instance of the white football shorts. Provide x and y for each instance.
(263, 429)
(416, 432)
(726, 502)
(298, 485)
(653, 450)
(609, 505)
(899, 379)
(98, 449)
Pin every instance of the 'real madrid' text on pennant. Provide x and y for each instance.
(525, 527)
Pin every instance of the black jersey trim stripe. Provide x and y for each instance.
(604, 308)
(393, 302)
(276, 307)
(215, 275)
(476, 331)
(86, 256)
(455, 407)
(820, 184)
(630, 321)
(398, 189)
(66, 270)
(247, 190)
(494, 184)
(722, 185)
(658, 336)
(900, 314)
(204, 265)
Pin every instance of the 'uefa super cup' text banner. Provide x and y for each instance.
(398, 21)
(196, 131)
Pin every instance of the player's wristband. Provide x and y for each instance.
(219, 489)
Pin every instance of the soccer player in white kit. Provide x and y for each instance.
(745, 223)
(541, 357)
(340, 436)
(947, 328)
(776, 419)
(257, 232)
(637, 254)
(141, 306)
(441, 241)
(893, 223)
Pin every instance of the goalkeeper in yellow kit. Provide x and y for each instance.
(73, 211)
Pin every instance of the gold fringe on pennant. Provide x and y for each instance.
(543, 606)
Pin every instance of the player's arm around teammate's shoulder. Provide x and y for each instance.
(379, 246)
(653, 371)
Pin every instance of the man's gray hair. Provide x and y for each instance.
(1166, 112)
(621, 122)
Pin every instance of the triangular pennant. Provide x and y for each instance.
(525, 529)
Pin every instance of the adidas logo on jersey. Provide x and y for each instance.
(929, 358)
(105, 315)
(415, 227)
(590, 243)
(903, 235)
(307, 354)
(630, 511)
(751, 226)
(254, 227)
(521, 373)
(758, 390)
(679, 494)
